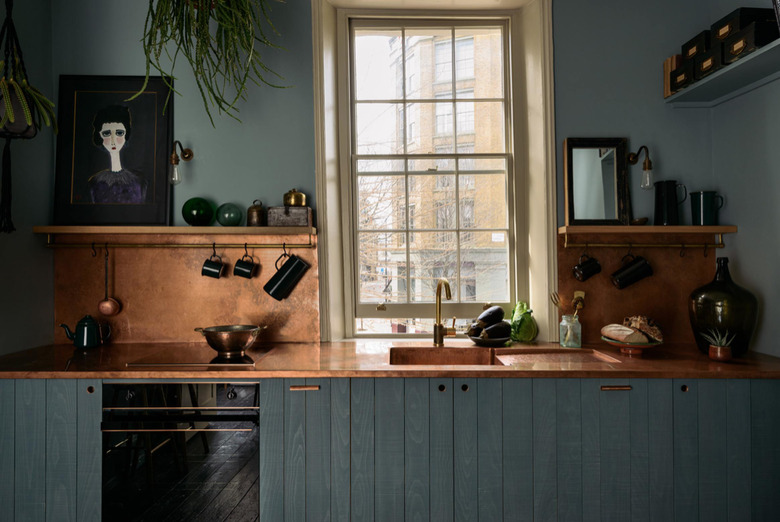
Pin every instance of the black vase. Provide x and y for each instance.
(723, 305)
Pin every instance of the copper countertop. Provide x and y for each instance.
(362, 358)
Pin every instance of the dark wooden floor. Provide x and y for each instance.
(218, 485)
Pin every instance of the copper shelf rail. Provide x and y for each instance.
(645, 232)
(53, 231)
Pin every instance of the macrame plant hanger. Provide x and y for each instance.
(23, 108)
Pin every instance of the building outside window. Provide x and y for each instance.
(430, 167)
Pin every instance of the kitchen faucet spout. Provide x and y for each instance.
(439, 330)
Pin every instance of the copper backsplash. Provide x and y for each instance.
(164, 296)
(662, 296)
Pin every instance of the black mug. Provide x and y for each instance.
(666, 202)
(705, 206)
(213, 267)
(244, 267)
(586, 267)
(634, 268)
(284, 280)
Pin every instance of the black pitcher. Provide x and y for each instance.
(667, 203)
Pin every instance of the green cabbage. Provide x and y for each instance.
(524, 328)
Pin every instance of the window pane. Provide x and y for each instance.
(379, 128)
(380, 165)
(377, 64)
(485, 266)
(464, 57)
(381, 255)
(435, 257)
(440, 165)
(381, 202)
(483, 126)
(433, 200)
(428, 58)
(414, 325)
(443, 62)
(487, 197)
(480, 60)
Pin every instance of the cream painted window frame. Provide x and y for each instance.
(533, 141)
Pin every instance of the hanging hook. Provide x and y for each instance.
(106, 247)
(213, 249)
(246, 252)
(682, 250)
(94, 252)
(705, 249)
(284, 249)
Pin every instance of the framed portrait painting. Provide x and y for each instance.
(112, 152)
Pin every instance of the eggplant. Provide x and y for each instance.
(474, 330)
(491, 316)
(500, 330)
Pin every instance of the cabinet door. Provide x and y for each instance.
(304, 449)
(50, 449)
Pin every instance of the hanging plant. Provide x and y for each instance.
(221, 41)
(23, 108)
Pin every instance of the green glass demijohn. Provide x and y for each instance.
(722, 306)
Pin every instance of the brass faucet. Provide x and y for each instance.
(439, 330)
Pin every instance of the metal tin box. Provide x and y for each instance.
(682, 76)
(696, 45)
(747, 40)
(708, 62)
(740, 18)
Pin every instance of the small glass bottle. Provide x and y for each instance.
(571, 332)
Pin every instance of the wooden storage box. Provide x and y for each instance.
(696, 45)
(289, 217)
(708, 62)
(682, 76)
(747, 40)
(740, 18)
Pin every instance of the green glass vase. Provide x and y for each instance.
(723, 306)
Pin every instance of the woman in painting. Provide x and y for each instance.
(111, 129)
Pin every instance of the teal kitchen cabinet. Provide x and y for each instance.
(519, 449)
(50, 444)
(395, 449)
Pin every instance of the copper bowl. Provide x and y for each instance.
(231, 340)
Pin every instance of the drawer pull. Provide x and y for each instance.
(621, 387)
(304, 387)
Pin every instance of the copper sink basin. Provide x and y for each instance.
(480, 356)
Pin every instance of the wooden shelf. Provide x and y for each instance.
(172, 237)
(735, 79)
(647, 230)
(645, 237)
(241, 231)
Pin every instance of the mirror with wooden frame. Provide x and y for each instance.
(596, 185)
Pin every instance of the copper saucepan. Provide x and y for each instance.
(231, 340)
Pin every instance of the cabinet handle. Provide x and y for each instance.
(304, 387)
(619, 387)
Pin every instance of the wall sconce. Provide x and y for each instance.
(174, 176)
(647, 167)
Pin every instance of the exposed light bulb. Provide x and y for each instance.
(647, 179)
(175, 175)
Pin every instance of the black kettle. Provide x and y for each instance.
(88, 333)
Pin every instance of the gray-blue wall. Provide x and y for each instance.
(608, 57)
(608, 63)
(26, 304)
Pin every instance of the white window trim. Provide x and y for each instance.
(532, 85)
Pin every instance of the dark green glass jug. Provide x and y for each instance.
(723, 306)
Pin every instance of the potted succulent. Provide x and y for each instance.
(221, 40)
(720, 344)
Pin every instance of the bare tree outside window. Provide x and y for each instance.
(430, 169)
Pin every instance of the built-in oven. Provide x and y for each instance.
(179, 450)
